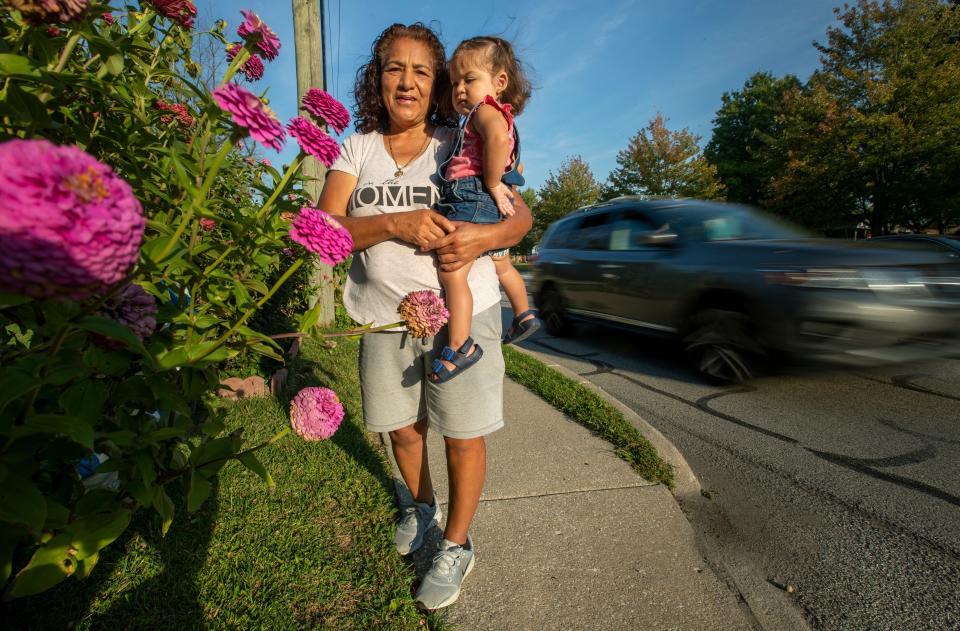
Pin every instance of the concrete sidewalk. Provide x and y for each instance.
(567, 536)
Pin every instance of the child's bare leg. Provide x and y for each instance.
(513, 285)
(460, 305)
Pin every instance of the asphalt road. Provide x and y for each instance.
(842, 484)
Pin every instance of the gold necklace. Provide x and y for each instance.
(399, 171)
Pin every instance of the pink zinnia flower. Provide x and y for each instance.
(326, 108)
(69, 227)
(179, 109)
(316, 413)
(252, 68)
(314, 140)
(180, 11)
(265, 162)
(134, 308)
(50, 11)
(108, 18)
(208, 224)
(255, 30)
(322, 234)
(423, 312)
(249, 111)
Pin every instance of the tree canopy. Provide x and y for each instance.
(662, 163)
(875, 134)
(742, 130)
(572, 187)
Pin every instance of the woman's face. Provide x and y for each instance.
(406, 84)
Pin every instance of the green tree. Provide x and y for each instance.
(572, 187)
(740, 146)
(662, 163)
(874, 135)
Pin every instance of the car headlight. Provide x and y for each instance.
(819, 278)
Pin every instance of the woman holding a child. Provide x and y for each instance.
(383, 189)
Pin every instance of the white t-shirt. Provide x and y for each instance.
(386, 272)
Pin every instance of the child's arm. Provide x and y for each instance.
(489, 123)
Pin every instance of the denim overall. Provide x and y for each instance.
(467, 199)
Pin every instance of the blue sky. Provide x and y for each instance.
(601, 70)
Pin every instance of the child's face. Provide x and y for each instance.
(472, 80)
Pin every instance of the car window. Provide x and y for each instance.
(630, 230)
(558, 235)
(727, 223)
(594, 233)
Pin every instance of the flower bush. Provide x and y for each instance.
(138, 242)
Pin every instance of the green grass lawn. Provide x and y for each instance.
(315, 553)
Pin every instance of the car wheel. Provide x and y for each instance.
(552, 313)
(720, 346)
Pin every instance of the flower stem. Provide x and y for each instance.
(382, 327)
(291, 170)
(198, 198)
(276, 286)
(242, 56)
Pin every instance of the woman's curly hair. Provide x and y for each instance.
(499, 54)
(369, 113)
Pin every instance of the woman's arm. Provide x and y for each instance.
(470, 241)
(418, 227)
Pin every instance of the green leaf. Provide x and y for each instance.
(199, 491)
(7, 546)
(212, 455)
(15, 65)
(110, 328)
(309, 319)
(165, 433)
(10, 300)
(250, 462)
(85, 567)
(95, 501)
(49, 565)
(85, 399)
(164, 505)
(173, 358)
(13, 385)
(115, 64)
(154, 248)
(95, 532)
(57, 515)
(21, 502)
(146, 467)
(75, 429)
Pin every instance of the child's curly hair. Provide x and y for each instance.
(499, 54)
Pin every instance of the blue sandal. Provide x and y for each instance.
(522, 330)
(458, 358)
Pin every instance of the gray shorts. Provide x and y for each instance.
(396, 392)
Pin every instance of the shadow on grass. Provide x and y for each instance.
(143, 579)
(350, 437)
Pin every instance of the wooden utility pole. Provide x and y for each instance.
(308, 39)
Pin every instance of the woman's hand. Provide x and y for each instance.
(421, 227)
(467, 243)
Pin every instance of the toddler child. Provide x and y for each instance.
(488, 90)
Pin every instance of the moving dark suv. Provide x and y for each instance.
(737, 286)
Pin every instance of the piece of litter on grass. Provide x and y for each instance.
(791, 589)
(557, 532)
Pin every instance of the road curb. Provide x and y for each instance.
(686, 484)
